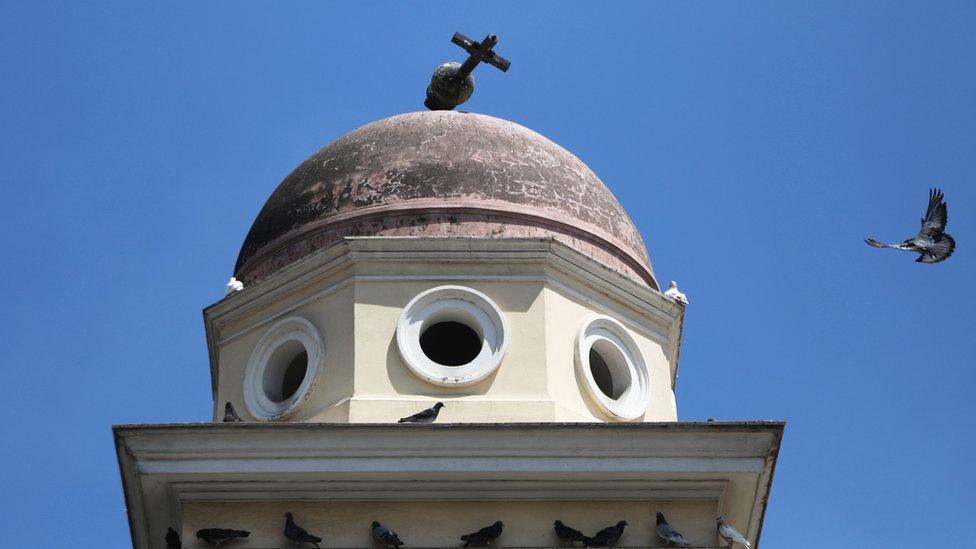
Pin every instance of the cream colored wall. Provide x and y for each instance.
(440, 524)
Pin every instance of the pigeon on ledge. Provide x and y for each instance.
(230, 414)
(427, 416)
(385, 536)
(298, 534)
(233, 286)
(217, 536)
(486, 535)
(566, 533)
(608, 537)
(669, 534)
(932, 242)
(673, 293)
(730, 534)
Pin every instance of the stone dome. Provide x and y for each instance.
(442, 174)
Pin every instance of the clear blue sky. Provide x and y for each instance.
(755, 144)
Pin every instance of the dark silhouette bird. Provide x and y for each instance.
(230, 414)
(173, 540)
(427, 416)
(385, 536)
(485, 535)
(566, 533)
(298, 534)
(932, 242)
(669, 534)
(217, 536)
(730, 534)
(608, 537)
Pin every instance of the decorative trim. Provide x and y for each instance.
(292, 329)
(625, 361)
(459, 304)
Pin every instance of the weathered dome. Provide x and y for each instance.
(436, 174)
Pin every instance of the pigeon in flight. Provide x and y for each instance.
(216, 536)
(230, 414)
(298, 534)
(233, 285)
(173, 540)
(486, 535)
(673, 293)
(669, 534)
(932, 242)
(608, 537)
(730, 534)
(566, 533)
(385, 536)
(427, 416)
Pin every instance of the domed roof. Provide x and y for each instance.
(442, 173)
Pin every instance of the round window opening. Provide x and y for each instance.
(283, 368)
(450, 343)
(452, 336)
(612, 369)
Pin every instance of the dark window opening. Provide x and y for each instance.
(450, 343)
(294, 375)
(601, 374)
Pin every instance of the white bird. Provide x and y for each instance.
(233, 286)
(673, 293)
(730, 534)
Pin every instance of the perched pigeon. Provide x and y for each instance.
(485, 535)
(932, 242)
(298, 534)
(427, 416)
(230, 414)
(608, 537)
(385, 536)
(673, 293)
(216, 536)
(566, 533)
(233, 285)
(730, 534)
(669, 534)
(173, 540)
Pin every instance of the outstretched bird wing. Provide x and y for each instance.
(938, 251)
(936, 215)
(876, 244)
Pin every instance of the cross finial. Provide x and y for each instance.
(452, 83)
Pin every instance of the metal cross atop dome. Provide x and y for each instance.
(452, 83)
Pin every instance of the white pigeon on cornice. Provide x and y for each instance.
(673, 293)
(730, 534)
(233, 286)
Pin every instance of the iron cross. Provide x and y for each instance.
(479, 52)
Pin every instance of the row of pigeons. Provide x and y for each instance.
(608, 537)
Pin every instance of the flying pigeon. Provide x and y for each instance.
(674, 294)
(386, 537)
(607, 537)
(669, 534)
(566, 533)
(427, 416)
(298, 534)
(932, 242)
(485, 535)
(173, 540)
(233, 285)
(216, 536)
(730, 534)
(230, 414)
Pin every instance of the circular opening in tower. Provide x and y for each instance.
(451, 343)
(285, 371)
(609, 368)
(283, 368)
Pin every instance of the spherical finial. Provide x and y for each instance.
(446, 90)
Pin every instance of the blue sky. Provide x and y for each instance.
(755, 144)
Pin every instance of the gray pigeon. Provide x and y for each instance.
(486, 535)
(608, 537)
(230, 414)
(173, 540)
(427, 416)
(217, 536)
(298, 534)
(669, 534)
(730, 534)
(932, 242)
(566, 533)
(385, 536)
